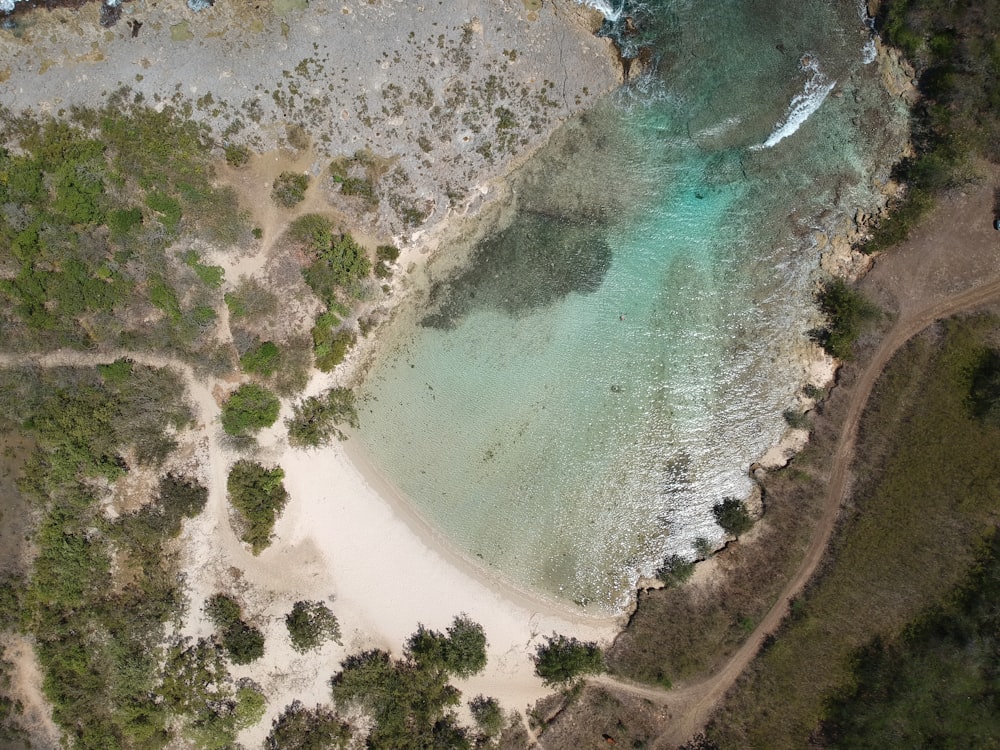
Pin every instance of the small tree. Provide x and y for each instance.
(462, 652)
(259, 495)
(732, 515)
(243, 642)
(488, 715)
(465, 651)
(675, 571)
(315, 420)
(561, 659)
(311, 623)
(846, 311)
(249, 409)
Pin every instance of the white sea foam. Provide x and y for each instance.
(869, 52)
(606, 7)
(719, 129)
(802, 106)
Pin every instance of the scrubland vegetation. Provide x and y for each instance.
(92, 205)
(101, 589)
(926, 497)
(410, 700)
(954, 49)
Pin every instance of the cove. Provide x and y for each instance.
(607, 361)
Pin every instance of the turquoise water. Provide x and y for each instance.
(617, 351)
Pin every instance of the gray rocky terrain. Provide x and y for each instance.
(422, 103)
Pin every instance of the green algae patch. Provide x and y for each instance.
(284, 7)
(181, 32)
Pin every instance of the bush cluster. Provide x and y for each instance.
(409, 700)
(259, 495)
(289, 189)
(249, 409)
(243, 642)
(316, 420)
(310, 624)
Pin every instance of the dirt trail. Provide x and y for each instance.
(927, 279)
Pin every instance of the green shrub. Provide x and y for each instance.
(331, 347)
(301, 728)
(675, 570)
(339, 263)
(250, 408)
(732, 515)
(312, 230)
(387, 253)
(236, 155)
(121, 221)
(242, 641)
(984, 389)
(224, 611)
(259, 495)
(251, 300)
(797, 420)
(289, 189)
(357, 186)
(168, 208)
(315, 420)
(311, 623)
(178, 498)
(211, 276)
(263, 359)
(163, 296)
(846, 312)
(488, 715)
(561, 659)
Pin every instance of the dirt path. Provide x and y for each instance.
(927, 279)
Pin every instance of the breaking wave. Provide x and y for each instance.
(802, 106)
(606, 8)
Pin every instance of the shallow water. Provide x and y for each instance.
(613, 357)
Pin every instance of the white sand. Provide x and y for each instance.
(348, 539)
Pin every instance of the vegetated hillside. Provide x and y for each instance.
(92, 207)
(102, 217)
(926, 494)
(955, 50)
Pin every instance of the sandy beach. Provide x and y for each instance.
(346, 538)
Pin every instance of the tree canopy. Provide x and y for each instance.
(562, 659)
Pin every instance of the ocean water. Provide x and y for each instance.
(607, 362)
